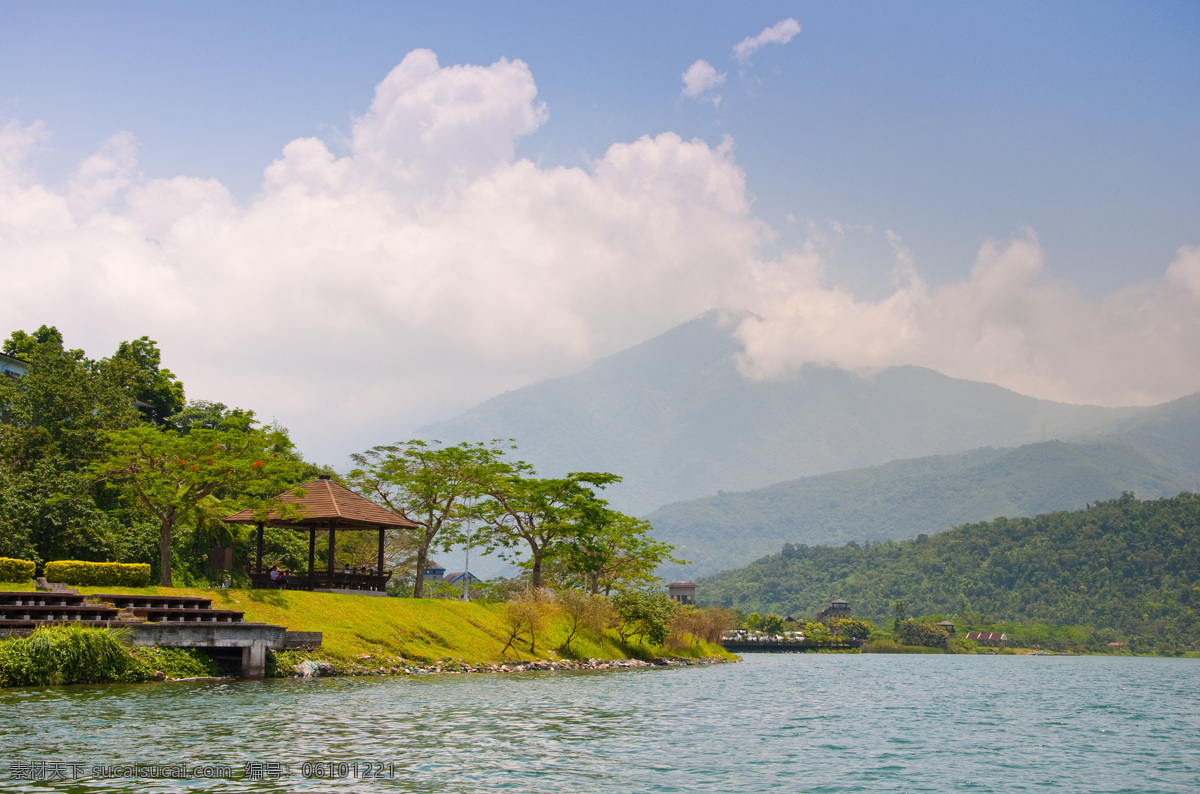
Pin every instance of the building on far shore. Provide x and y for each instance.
(836, 609)
(457, 577)
(988, 639)
(434, 572)
(948, 626)
(683, 592)
(12, 367)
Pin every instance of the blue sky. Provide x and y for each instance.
(883, 142)
(947, 122)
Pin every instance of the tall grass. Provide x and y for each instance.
(67, 655)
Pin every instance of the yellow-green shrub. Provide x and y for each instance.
(98, 574)
(16, 570)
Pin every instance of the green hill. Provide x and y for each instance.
(1127, 569)
(676, 417)
(904, 498)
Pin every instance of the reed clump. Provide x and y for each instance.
(69, 655)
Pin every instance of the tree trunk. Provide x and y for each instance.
(422, 563)
(164, 552)
(535, 573)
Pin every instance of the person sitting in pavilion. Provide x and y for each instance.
(278, 578)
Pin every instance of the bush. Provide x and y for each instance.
(709, 625)
(16, 570)
(98, 574)
(175, 662)
(527, 613)
(930, 635)
(851, 629)
(645, 615)
(583, 611)
(67, 655)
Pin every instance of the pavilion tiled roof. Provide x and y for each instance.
(325, 501)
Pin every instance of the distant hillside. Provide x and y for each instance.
(676, 418)
(904, 498)
(1168, 433)
(1128, 568)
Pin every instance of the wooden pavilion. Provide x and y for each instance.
(326, 507)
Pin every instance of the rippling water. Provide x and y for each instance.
(773, 723)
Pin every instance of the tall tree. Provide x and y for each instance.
(53, 426)
(431, 485)
(62, 407)
(617, 551)
(542, 515)
(171, 474)
(137, 368)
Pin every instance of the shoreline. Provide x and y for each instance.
(320, 668)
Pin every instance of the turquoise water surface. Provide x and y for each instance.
(802, 722)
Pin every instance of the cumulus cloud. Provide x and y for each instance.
(701, 77)
(358, 296)
(780, 33)
(1008, 322)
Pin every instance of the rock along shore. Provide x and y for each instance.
(316, 668)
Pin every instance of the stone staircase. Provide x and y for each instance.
(176, 621)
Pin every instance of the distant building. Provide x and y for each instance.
(683, 592)
(988, 639)
(456, 577)
(948, 626)
(12, 367)
(434, 572)
(836, 609)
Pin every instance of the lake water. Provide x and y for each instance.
(801, 722)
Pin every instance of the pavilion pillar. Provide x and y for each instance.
(258, 556)
(332, 550)
(312, 555)
(379, 570)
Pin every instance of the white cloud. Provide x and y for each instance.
(780, 33)
(1008, 322)
(359, 296)
(701, 77)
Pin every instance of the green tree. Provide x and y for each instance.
(54, 423)
(616, 551)
(930, 635)
(644, 614)
(62, 407)
(899, 608)
(850, 629)
(542, 515)
(583, 611)
(170, 474)
(771, 623)
(435, 487)
(136, 368)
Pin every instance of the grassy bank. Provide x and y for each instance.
(423, 631)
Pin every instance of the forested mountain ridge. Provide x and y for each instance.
(1124, 567)
(904, 498)
(677, 419)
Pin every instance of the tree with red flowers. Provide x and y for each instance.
(171, 472)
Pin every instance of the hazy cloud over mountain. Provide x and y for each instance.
(425, 267)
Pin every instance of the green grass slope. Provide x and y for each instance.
(420, 630)
(1125, 566)
(905, 498)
